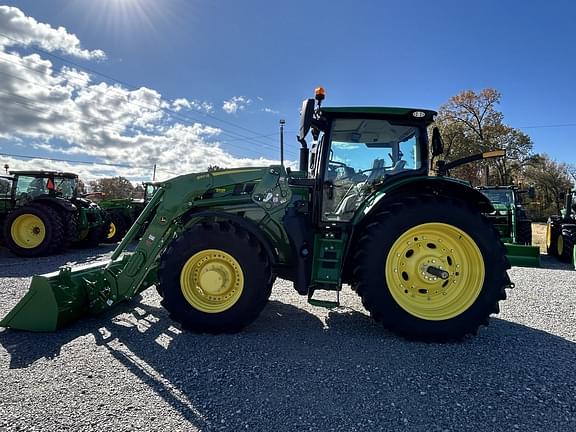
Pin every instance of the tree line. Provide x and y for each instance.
(470, 122)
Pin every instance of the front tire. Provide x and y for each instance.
(215, 278)
(524, 232)
(117, 228)
(566, 241)
(430, 268)
(552, 234)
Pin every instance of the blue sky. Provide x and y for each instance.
(266, 58)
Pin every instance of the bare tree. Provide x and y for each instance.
(470, 123)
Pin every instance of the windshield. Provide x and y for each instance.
(149, 191)
(65, 187)
(33, 187)
(363, 152)
(499, 196)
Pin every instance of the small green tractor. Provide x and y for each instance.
(41, 214)
(512, 223)
(123, 212)
(361, 210)
(561, 230)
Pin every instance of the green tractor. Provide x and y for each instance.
(41, 213)
(561, 230)
(360, 210)
(123, 212)
(512, 223)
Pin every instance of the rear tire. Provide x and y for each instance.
(215, 278)
(414, 235)
(34, 230)
(524, 232)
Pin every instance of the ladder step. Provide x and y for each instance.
(324, 303)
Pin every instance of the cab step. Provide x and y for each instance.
(328, 304)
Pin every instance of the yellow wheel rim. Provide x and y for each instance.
(212, 281)
(435, 271)
(111, 230)
(28, 231)
(560, 245)
(548, 235)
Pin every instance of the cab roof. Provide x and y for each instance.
(45, 174)
(414, 114)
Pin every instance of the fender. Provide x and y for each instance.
(244, 223)
(61, 203)
(442, 186)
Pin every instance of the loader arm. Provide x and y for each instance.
(58, 298)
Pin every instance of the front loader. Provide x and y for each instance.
(360, 210)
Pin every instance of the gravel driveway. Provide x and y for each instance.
(297, 368)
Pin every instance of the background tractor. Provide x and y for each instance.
(360, 210)
(41, 213)
(123, 212)
(512, 223)
(561, 230)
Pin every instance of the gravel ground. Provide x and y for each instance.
(296, 368)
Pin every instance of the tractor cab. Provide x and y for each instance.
(29, 185)
(358, 150)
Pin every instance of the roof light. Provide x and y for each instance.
(319, 93)
(419, 114)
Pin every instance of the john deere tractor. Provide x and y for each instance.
(361, 210)
(513, 224)
(123, 212)
(561, 230)
(41, 214)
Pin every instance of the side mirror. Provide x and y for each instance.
(561, 196)
(437, 144)
(306, 116)
(531, 192)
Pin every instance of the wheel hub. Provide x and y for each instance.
(424, 271)
(28, 231)
(212, 281)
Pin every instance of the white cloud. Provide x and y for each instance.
(270, 111)
(181, 103)
(64, 111)
(67, 113)
(25, 31)
(235, 104)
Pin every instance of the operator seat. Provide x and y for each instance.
(378, 170)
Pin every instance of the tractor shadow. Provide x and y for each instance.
(292, 370)
(552, 263)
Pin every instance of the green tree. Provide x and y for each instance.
(470, 123)
(549, 178)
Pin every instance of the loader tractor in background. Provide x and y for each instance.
(123, 212)
(512, 223)
(361, 210)
(561, 230)
(41, 214)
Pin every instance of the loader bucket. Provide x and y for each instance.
(522, 255)
(56, 299)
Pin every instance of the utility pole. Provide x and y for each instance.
(282, 123)
(154, 173)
